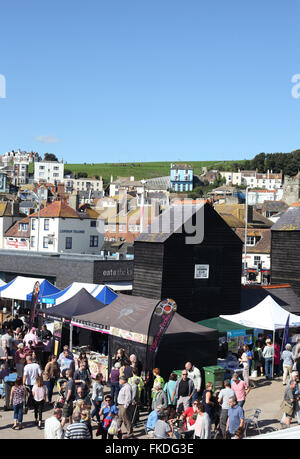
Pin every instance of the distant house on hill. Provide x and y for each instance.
(181, 177)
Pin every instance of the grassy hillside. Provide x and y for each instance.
(142, 170)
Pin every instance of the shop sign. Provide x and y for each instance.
(201, 272)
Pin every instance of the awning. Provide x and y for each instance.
(19, 288)
(101, 292)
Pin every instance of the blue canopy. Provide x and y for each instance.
(6, 285)
(46, 288)
(105, 295)
(101, 292)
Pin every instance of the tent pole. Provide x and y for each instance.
(71, 337)
(273, 353)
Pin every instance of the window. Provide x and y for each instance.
(94, 241)
(257, 259)
(32, 241)
(56, 168)
(93, 223)
(68, 245)
(45, 242)
(33, 221)
(42, 168)
(250, 240)
(23, 226)
(55, 175)
(46, 224)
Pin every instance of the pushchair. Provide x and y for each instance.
(61, 393)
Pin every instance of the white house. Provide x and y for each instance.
(48, 171)
(83, 184)
(254, 179)
(259, 196)
(61, 229)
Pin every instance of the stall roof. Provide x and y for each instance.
(222, 325)
(46, 288)
(69, 292)
(267, 315)
(19, 288)
(82, 302)
(133, 313)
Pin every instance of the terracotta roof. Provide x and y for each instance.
(238, 211)
(263, 245)
(57, 209)
(13, 231)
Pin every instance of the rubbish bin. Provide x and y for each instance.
(214, 375)
(9, 382)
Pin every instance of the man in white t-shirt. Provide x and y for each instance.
(31, 371)
(223, 399)
(53, 428)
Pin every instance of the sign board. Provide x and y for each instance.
(201, 272)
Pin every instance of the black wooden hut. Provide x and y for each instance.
(202, 275)
(285, 249)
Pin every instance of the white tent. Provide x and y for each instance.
(19, 288)
(70, 291)
(267, 315)
(2, 283)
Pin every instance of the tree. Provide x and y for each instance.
(50, 157)
(82, 175)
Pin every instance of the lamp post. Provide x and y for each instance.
(38, 196)
(245, 244)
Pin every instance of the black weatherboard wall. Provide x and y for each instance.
(164, 266)
(285, 249)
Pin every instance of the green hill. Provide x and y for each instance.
(142, 170)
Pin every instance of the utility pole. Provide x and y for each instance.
(245, 244)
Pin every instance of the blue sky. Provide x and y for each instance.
(148, 80)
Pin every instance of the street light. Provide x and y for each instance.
(38, 197)
(246, 229)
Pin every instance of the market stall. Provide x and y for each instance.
(231, 335)
(61, 315)
(267, 315)
(19, 291)
(126, 321)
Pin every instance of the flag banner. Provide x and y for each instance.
(34, 300)
(285, 334)
(160, 320)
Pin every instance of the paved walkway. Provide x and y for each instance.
(267, 396)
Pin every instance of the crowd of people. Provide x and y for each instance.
(177, 408)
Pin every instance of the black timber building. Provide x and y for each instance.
(203, 277)
(285, 249)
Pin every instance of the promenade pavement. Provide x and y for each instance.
(267, 396)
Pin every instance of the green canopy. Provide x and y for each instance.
(223, 325)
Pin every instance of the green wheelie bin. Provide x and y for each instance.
(215, 375)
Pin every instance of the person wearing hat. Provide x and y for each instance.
(20, 359)
(124, 406)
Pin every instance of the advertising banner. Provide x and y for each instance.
(160, 320)
(34, 300)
